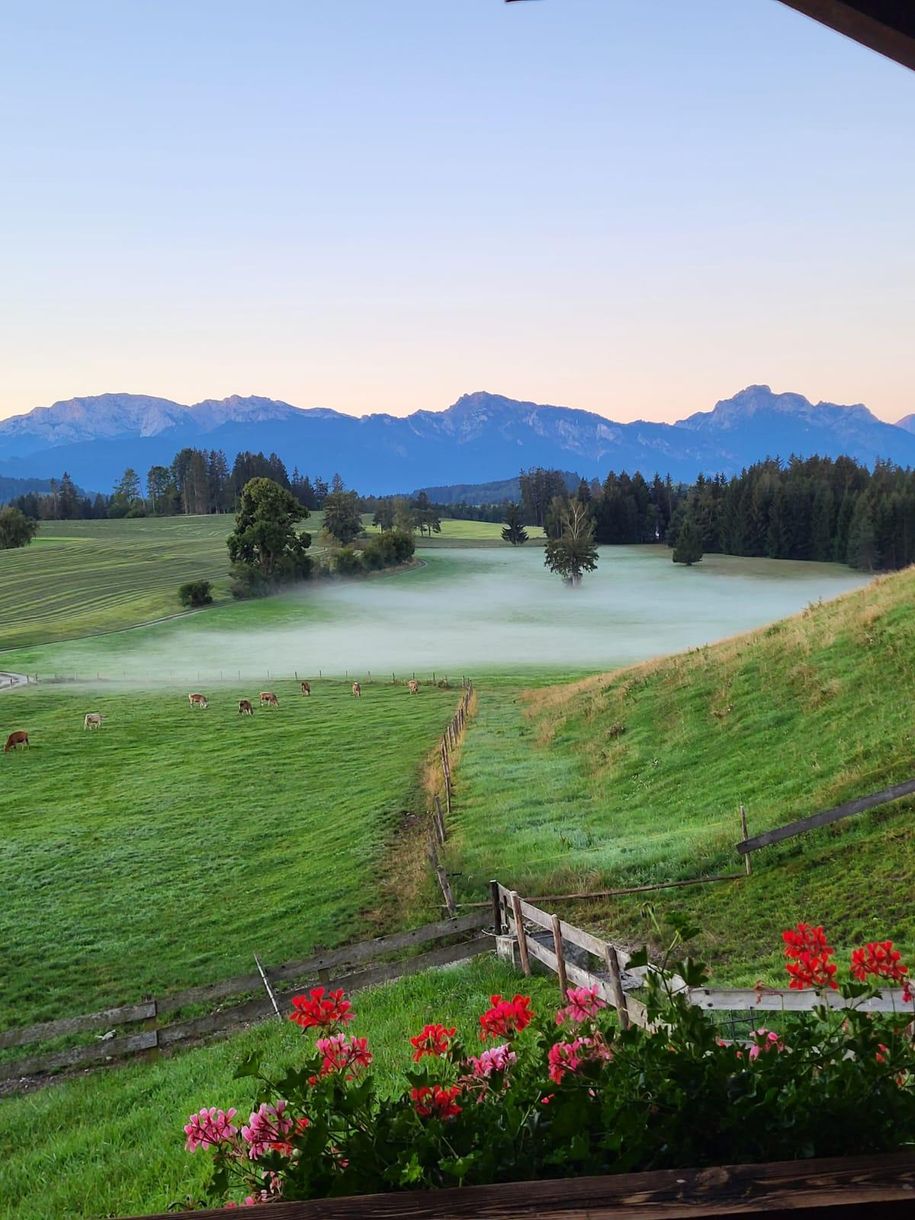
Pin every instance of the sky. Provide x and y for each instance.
(378, 205)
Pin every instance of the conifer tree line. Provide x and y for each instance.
(196, 481)
(830, 509)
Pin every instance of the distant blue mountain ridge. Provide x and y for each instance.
(481, 438)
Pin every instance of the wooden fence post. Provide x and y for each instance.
(560, 956)
(520, 932)
(446, 890)
(746, 834)
(496, 907)
(439, 820)
(616, 985)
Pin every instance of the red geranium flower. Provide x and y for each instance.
(880, 959)
(434, 1040)
(433, 1101)
(321, 1009)
(506, 1017)
(808, 957)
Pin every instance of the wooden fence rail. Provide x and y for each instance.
(827, 816)
(834, 1188)
(618, 985)
(358, 965)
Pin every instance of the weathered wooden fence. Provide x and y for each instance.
(358, 965)
(571, 953)
(451, 739)
(826, 817)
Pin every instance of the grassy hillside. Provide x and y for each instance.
(112, 1143)
(636, 776)
(79, 577)
(167, 847)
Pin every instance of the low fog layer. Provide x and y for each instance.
(470, 610)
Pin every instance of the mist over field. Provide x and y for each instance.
(462, 612)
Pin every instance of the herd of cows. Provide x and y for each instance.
(93, 720)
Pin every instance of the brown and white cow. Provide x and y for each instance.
(196, 700)
(306, 688)
(245, 708)
(19, 738)
(413, 686)
(92, 720)
(357, 690)
(269, 698)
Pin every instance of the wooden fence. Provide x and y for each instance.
(826, 816)
(358, 965)
(451, 739)
(567, 951)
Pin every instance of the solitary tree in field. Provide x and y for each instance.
(573, 552)
(514, 531)
(688, 548)
(342, 519)
(264, 547)
(16, 529)
(384, 515)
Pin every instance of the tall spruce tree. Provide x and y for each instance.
(514, 531)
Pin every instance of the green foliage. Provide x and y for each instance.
(264, 547)
(126, 502)
(573, 552)
(688, 548)
(342, 518)
(514, 531)
(16, 529)
(389, 549)
(348, 562)
(384, 515)
(195, 593)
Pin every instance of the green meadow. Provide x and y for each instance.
(166, 848)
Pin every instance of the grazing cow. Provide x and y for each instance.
(269, 698)
(245, 708)
(413, 686)
(19, 738)
(306, 688)
(196, 700)
(357, 690)
(92, 720)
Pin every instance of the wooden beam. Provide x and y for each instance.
(864, 1187)
(885, 26)
(824, 818)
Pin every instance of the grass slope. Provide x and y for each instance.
(167, 847)
(112, 1143)
(636, 776)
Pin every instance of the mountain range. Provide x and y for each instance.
(480, 438)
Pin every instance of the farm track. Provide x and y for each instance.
(8, 680)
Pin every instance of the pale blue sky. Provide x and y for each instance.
(633, 206)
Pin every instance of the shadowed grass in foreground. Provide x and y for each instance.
(112, 1143)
